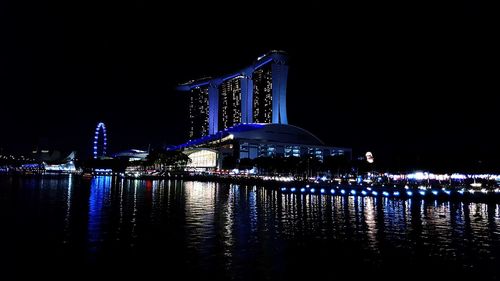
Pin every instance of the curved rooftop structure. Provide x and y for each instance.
(277, 133)
(132, 153)
(281, 133)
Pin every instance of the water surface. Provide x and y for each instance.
(67, 227)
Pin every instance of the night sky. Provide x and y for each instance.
(400, 81)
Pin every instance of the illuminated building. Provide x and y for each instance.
(55, 160)
(260, 140)
(263, 95)
(230, 102)
(132, 155)
(202, 158)
(243, 115)
(255, 94)
(198, 112)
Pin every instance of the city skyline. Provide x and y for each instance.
(62, 76)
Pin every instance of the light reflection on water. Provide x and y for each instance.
(244, 232)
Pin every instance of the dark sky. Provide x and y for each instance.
(389, 78)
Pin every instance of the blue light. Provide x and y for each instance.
(313, 190)
(322, 190)
(263, 63)
(447, 192)
(374, 193)
(363, 192)
(435, 192)
(461, 191)
(353, 192)
(302, 190)
(100, 126)
(385, 193)
(422, 192)
(332, 191)
(409, 193)
(292, 189)
(230, 77)
(283, 189)
(342, 191)
(396, 193)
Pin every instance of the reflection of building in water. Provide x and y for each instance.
(99, 194)
(200, 200)
(369, 211)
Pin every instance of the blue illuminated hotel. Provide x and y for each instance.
(243, 115)
(255, 94)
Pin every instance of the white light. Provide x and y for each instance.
(369, 157)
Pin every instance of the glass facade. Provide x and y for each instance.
(203, 159)
(263, 95)
(253, 150)
(198, 113)
(254, 94)
(230, 103)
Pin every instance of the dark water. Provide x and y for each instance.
(65, 228)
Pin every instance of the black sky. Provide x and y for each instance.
(395, 79)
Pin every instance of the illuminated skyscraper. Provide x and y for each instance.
(230, 103)
(198, 112)
(256, 94)
(263, 95)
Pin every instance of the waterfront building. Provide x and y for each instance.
(255, 94)
(243, 115)
(132, 155)
(259, 140)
